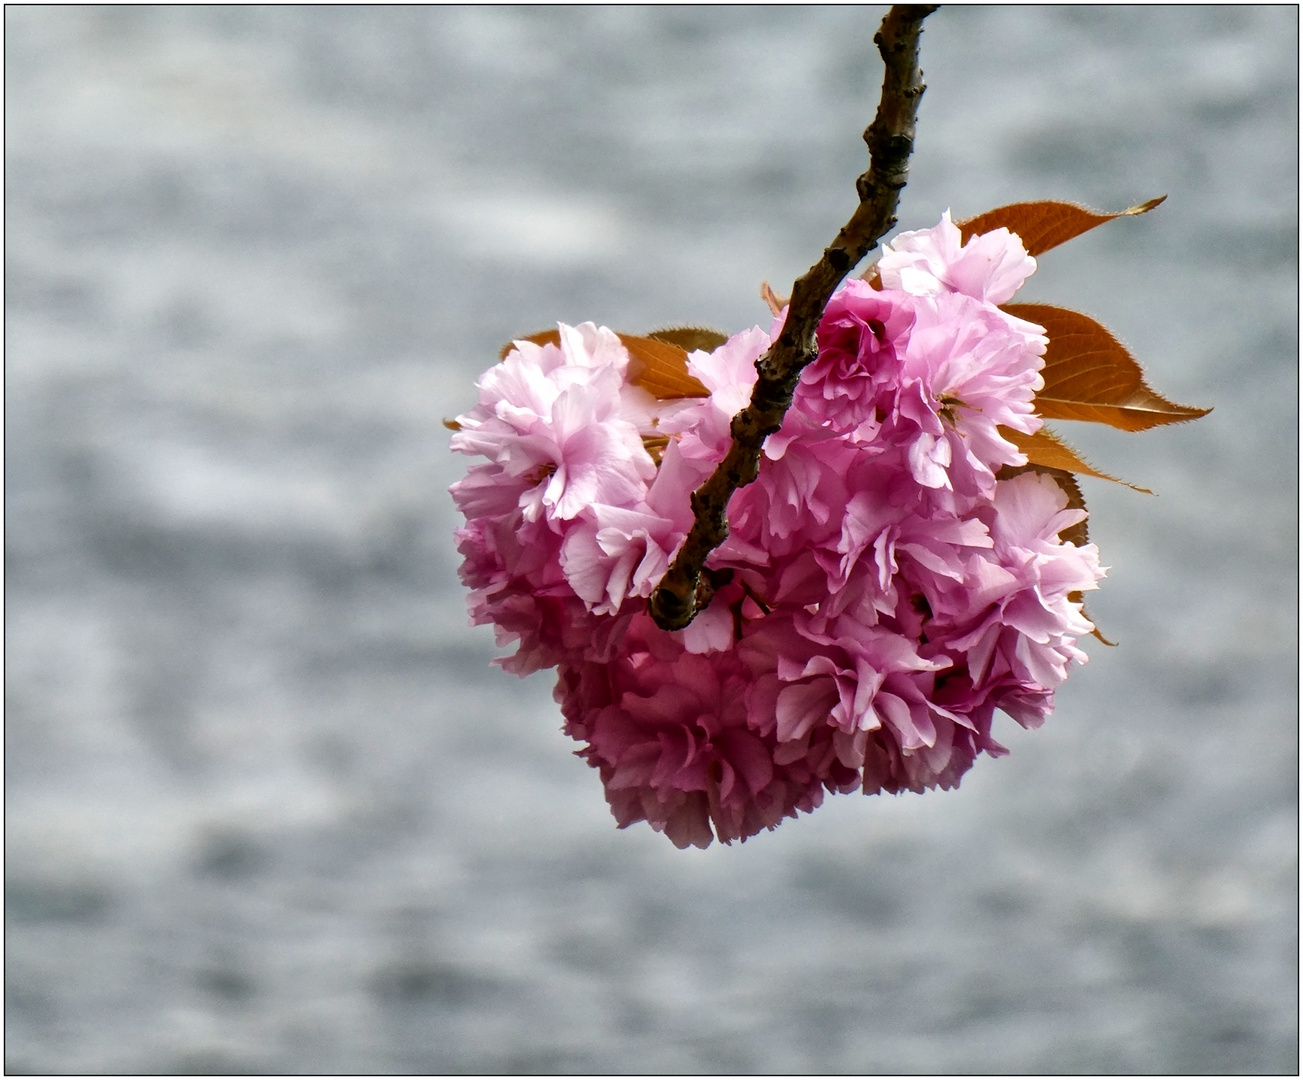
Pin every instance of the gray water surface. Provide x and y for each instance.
(268, 806)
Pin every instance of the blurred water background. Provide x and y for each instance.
(268, 806)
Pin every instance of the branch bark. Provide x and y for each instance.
(688, 585)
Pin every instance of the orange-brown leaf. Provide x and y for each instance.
(1045, 225)
(691, 338)
(1089, 375)
(661, 368)
(1045, 448)
(658, 366)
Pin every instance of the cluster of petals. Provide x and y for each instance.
(894, 575)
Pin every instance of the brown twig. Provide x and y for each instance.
(687, 588)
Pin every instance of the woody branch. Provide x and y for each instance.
(687, 586)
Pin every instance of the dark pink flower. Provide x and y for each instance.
(861, 336)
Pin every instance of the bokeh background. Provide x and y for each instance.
(269, 808)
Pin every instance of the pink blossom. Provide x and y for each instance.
(861, 335)
(620, 554)
(969, 369)
(930, 262)
(567, 443)
(728, 373)
(1031, 627)
(669, 732)
(881, 593)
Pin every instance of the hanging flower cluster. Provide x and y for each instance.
(893, 576)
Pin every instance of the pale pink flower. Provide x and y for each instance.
(1016, 616)
(616, 555)
(968, 369)
(729, 373)
(551, 417)
(990, 267)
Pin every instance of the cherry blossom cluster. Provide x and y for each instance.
(885, 586)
